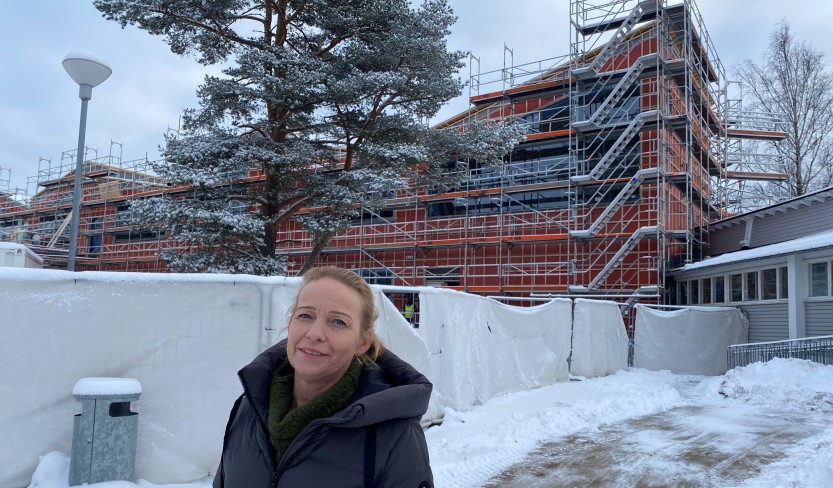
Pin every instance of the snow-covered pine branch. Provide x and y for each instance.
(324, 99)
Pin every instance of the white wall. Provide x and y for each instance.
(600, 341)
(481, 348)
(690, 340)
(184, 337)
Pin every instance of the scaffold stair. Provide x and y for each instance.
(618, 38)
(60, 230)
(630, 187)
(631, 76)
(616, 149)
(649, 291)
(621, 253)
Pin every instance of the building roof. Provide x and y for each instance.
(780, 207)
(13, 246)
(808, 243)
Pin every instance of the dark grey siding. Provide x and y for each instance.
(795, 223)
(726, 240)
(771, 229)
(818, 320)
(767, 322)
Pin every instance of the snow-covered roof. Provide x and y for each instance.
(808, 243)
(15, 246)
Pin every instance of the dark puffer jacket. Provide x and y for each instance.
(392, 396)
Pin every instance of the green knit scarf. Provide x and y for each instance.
(285, 424)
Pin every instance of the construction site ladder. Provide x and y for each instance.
(630, 77)
(630, 187)
(616, 149)
(60, 230)
(647, 291)
(618, 38)
(621, 253)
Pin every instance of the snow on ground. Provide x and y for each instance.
(471, 447)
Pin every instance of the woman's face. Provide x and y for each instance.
(325, 332)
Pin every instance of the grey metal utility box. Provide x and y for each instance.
(104, 434)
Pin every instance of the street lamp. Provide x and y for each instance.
(88, 71)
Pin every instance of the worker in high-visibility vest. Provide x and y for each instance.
(409, 310)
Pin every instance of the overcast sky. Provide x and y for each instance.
(150, 86)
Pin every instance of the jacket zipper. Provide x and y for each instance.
(273, 482)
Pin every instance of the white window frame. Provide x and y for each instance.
(829, 266)
(727, 286)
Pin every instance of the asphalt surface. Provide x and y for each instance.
(690, 446)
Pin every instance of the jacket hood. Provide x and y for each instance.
(388, 389)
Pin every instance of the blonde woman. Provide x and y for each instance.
(329, 406)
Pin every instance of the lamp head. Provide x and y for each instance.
(86, 70)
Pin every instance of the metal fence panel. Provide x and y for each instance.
(816, 349)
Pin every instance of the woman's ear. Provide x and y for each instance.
(364, 345)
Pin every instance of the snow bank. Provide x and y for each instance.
(790, 384)
(691, 340)
(471, 447)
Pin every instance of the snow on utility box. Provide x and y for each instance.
(104, 433)
(18, 256)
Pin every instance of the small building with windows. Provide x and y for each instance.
(775, 264)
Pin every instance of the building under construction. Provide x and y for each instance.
(634, 143)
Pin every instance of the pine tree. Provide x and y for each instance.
(327, 99)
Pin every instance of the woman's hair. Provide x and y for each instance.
(369, 312)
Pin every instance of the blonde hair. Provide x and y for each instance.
(369, 312)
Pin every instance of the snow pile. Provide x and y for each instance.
(791, 384)
(471, 447)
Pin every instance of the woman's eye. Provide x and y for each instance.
(339, 323)
(304, 316)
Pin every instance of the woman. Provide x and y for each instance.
(328, 406)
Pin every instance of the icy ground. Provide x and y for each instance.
(765, 425)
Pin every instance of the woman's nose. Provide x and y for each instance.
(316, 330)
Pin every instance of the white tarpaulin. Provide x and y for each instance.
(481, 348)
(600, 342)
(690, 340)
(184, 337)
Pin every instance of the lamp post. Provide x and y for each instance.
(88, 71)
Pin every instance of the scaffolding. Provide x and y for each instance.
(634, 142)
(110, 240)
(633, 146)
